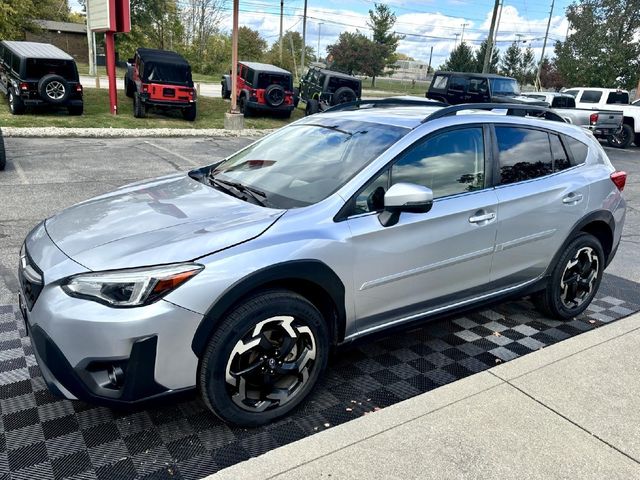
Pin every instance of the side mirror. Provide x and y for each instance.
(405, 197)
(131, 61)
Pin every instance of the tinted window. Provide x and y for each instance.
(371, 199)
(15, 64)
(266, 79)
(457, 83)
(573, 93)
(591, 96)
(448, 163)
(578, 150)
(524, 154)
(560, 158)
(439, 82)
(618, 98)
(563, 102)
(536, 97)
(504, 86)
(478, 85)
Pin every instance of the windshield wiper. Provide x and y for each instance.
(254, 193)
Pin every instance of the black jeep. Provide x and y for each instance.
(160, 79)
(261, 87)
(33, 74)
(321, 88)
(455, 88)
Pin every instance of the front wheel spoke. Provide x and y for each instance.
(296, 366)
(250, 370)
(287, 345)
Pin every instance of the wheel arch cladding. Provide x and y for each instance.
(312, 279)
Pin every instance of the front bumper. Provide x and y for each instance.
(82, 346)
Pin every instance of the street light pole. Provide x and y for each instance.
(304, 34)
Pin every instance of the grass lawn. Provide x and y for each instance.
(96, 114)
(83, 69)
(402, 87)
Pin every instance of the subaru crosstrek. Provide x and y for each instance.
(237, 278)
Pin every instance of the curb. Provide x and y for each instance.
(60, 132)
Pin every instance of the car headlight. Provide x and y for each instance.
(132, 287)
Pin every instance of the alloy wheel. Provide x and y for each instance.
(55, 90)
(270, 364)
(579, 278)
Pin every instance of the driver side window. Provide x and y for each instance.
(371, 199)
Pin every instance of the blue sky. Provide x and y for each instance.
(426, 23)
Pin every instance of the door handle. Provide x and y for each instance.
(483, 217)
(572, 198)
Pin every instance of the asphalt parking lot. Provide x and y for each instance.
(44, 437)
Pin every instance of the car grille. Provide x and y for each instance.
(30, 278)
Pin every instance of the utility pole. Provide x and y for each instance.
(487, 54)
(234, 58)
(463, 27)
(281, 15)
(456, 44)
(495, 32)
(319, 29)
(520, 35)
(92, 65)
(544, 46)
(430, 56)
(304, 34)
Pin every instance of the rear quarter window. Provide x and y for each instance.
(563, 102)
(458, 84)
(579, 150)
(618, 98)
(439, 82)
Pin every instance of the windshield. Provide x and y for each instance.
(303, 164)
(504, 86)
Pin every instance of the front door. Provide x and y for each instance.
(425, 260)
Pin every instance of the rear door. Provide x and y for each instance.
(457, 91)
(478, 90)
(541, 197)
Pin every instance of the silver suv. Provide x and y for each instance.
(240, 276)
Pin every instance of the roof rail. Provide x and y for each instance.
(386, 102)
(515, 109)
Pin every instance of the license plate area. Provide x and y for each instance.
(169, 92)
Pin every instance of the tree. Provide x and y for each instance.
(354, 53)
(527, 73)
(461, 59)
(479, 59)
(251, 46)
(603, 49)
(550, 77)
(512, 61)
(16, 16)
(381, 21)
(290, 58)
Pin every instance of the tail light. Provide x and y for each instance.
(24, 86)
(79, 88)
(593, 118)
(145, 88)
(620, 179)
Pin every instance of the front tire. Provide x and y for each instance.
(622, 139)
(190, 113)
(139, 108)
(264, 358)
(16, 105)
(574, 280)
(312, 107)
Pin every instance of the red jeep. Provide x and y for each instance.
(160, 79)
(262, 87)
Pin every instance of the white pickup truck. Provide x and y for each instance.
(612, 99)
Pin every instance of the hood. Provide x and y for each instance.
(518, 99)
(166, 220)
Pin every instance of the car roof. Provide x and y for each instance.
(334, 73)
(472, 74)
(553, 94)
(37, 50)
(598, 89)
(161, 56)
(265, 67)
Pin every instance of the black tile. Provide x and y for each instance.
(186, 448)
(122, 470)
(24, 457)
(229, 455)
(69, 465)
(15, 389)
(23, 418)
(59, 426)
(99, 434)
(141, 441)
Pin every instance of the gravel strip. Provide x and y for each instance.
(129, 132)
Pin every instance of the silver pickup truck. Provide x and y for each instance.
(602, 123)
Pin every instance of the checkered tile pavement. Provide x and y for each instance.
(43, 437)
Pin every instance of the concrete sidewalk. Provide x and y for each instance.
(569, 411)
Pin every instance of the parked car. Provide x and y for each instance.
(160, 79)
(39, 74)
(612, 99)
(455, 88)
(3, 155)
(602, 123)
(261, 88)
(321, 88)
(335, 227)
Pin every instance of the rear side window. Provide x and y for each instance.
(458, 84)
(38, 68)
(563, 102)
(620, 98)
(560, 157)
(579, 150)
(439, 82)
(524, 154)
(266, 79)
(448, 163)
(15, 64)
(591, 96)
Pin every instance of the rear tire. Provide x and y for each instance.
(575, 279)
(637, 140)
(312, 107)
(623, 139)
(226, 94)
(190, 113)
(264, 358)
(129, 87)
(343, 95)
(16, 105)
(244, 108)
(139, 108)
(3, 155)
